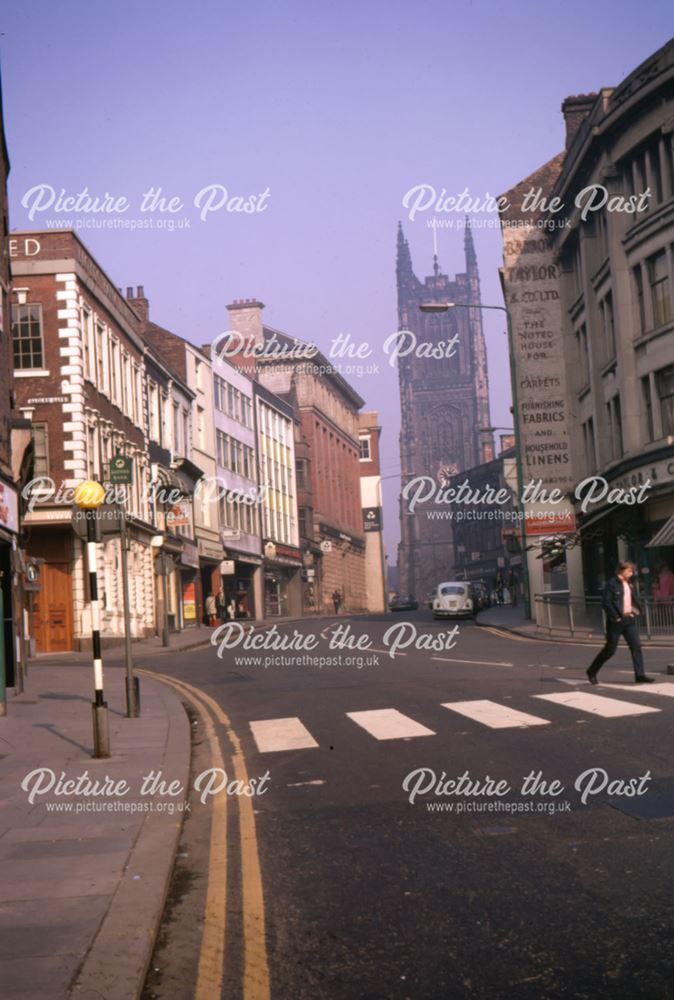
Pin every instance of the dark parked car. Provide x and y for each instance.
(403, 602)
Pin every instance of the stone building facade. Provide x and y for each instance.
(598, 274)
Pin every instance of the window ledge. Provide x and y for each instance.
(656, 331)
(31, 372)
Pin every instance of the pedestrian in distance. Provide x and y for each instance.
(231, 610)
(211, 610)
(619, 603)
(337, 601)
(513, 584)
(221, 602)
(498, 587)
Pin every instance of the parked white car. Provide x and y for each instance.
(453, 599)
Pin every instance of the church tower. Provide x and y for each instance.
(444, 406)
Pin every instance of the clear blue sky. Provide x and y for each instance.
(337, 108)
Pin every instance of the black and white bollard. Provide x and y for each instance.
(89, 495)
(99, 707)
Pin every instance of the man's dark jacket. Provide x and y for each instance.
(612, 599)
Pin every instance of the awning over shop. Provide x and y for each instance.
(665, 536)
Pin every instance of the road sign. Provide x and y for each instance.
(121, 470)
(164, 564)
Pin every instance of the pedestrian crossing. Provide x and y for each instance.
(595, 704)
(496, 716)
(382, 724)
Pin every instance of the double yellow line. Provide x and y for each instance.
(210, 974)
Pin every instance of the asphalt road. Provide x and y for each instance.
(366, 894)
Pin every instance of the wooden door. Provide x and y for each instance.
(53, 609)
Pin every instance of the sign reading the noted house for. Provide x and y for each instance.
(121, 473)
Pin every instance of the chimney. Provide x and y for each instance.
(575, 111)
(139, 303)
(245, 317)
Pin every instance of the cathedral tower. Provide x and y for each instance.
(444, 406)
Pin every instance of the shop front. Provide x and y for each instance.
(635, 529)
(237, 576)
(189, 575)
(208, 578)
(9, 526)
(283, 570)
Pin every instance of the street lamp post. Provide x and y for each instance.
(441, 307)
(89, 496)
(132, 684)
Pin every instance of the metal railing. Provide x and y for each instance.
(558, 611)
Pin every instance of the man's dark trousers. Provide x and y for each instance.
(627, 627)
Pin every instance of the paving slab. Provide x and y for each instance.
(83, 879)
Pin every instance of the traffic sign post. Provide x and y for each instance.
(132, 684)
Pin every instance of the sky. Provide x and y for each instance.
(317, 118)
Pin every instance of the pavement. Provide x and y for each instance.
(194, 637)
(83, 879)
(514, 620)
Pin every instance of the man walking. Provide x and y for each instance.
(621, 609)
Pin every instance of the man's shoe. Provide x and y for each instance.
(591, 677)
(644, 680)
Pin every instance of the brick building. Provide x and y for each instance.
(14, 441)
(79, 378)
(327, 409)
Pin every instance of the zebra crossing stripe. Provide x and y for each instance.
(273, 735)
(665, 689)
(496, 716)
(389, 724)
(609, 708)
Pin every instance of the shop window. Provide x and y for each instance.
(555, 575)
(27, 336)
